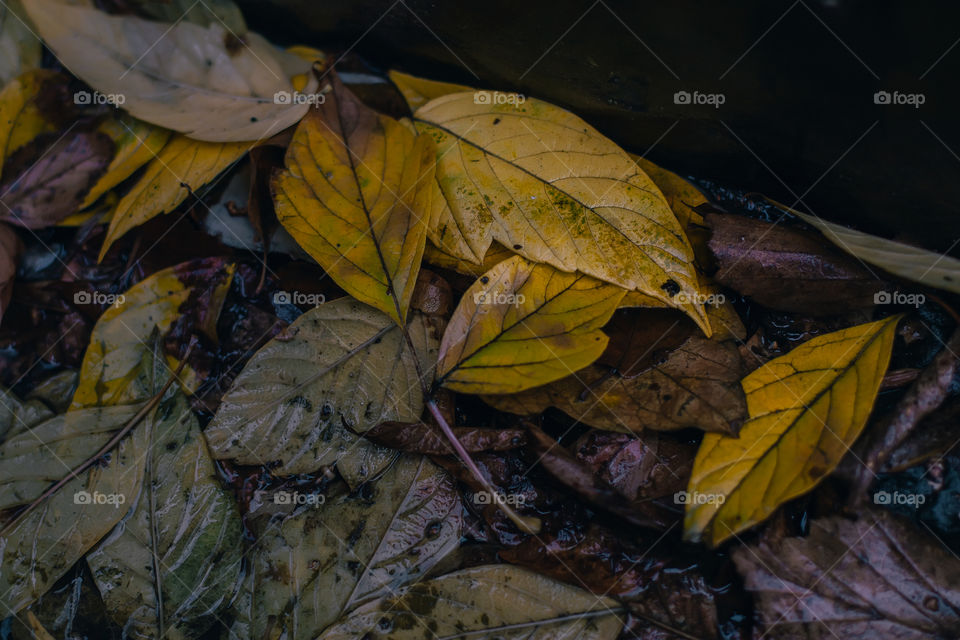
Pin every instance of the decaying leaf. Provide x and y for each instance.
(205, 82)
(356, 196)
(181, 542)
(323, 561)
(805, 410)
(524, 324)
(490, 601)
(698, 385)
(10, 249)
(24, 109)
(340, 368)
(182, 166)
(19, 49)
(55, 177)
(136, 143)
(877, 577)
(545, 184)
(419, 91)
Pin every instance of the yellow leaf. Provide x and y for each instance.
(439, 258)
(182, 161)
(522, 325)
(21, 118)
(682, 196)
(805, 409)
(136, 143)
(356, 196)
(548, 186)
(419, 91)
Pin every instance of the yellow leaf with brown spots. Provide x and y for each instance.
(136, 143)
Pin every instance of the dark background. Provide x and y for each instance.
(799, 121)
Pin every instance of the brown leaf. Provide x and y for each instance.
(641, 338)
(878, 577)
(10, 249)
(432, 294)
(418, 437)
(788, 269)
(54, 177)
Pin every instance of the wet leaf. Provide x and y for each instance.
(24, 111)
(877, 577)
(182, 166)
(697, 385)
(419, 437)
(356, 196)
(548, 186)
(136, 143)
(322, 562)
(805, 410)
(419, 91)
(341, 368)
(20, 50)
(522, 325)
(10, 250)
(486, 602)
(204, 82)
(183, 524)
(55, 179)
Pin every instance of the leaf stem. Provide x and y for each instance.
(526, 524)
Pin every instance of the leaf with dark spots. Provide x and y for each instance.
(419, 437)
(569, 471)
(697, 386)
(44, 183)
(642, 338)
(788, 269)
(876, 577)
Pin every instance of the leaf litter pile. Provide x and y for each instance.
(290, 351)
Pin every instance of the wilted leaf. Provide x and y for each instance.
(10, 249)
(356, 196)
(805, 410)
(877, 577)
(188, 521)
(788, 269)
(340, 368)
(23, 109)
(419, 91)
(205, 82)
(186, 297)
(19, 49)
(419, 437)
(136, 143)
(55, 179)
(926, 267)
(522, 325)
(698, 385)
(487, 602)
(183, 165)
(321, 562)
(640, 340)
(545, 184)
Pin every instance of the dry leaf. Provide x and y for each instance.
(356, 196)
(522, 325)
(805, 410)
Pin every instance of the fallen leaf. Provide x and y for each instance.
(522, 325)
(490, 601)
(545, 184)
(805, 410)
(496, 254)
(356, 196)
(136, 143)
(183, 525)
(877, 577)
(684, 198)
(324, 561)
(204, 82)
(55, 180)
(432, 295)
(339, 369)
(24, 112)
(788, 269)
(182, 166)
(20, 50)
(698, 385)
(225, 12)
(419, 91)
(641, 339)
(419, 437)
(10, 250)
